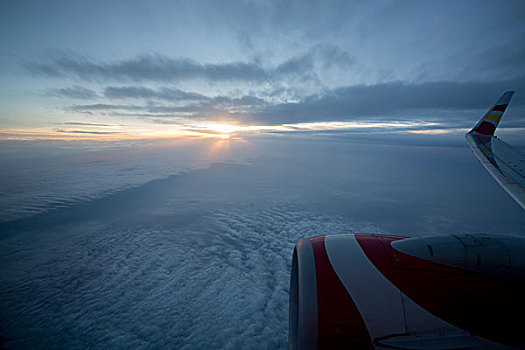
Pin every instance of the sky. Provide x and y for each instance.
(135, 69)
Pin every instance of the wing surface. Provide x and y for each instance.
(504, 162)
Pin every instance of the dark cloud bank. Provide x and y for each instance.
(383, 100)
(282, 100)
(445, 102)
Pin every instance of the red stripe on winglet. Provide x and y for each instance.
(500, 108)
(485, 128)
(340, 323)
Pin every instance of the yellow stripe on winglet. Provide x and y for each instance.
(494, 117)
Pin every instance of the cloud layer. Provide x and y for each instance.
(160, 68)
(201, 260)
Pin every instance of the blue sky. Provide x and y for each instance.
(137, 69)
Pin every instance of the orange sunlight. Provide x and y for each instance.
(217, 130)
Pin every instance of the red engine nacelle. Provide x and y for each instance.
(367, 291)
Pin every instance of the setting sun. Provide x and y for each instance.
(223, 128)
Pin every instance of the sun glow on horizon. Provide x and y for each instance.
(216, 130)
(222, 128)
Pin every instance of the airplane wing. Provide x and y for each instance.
(505, 163)
(380, 292)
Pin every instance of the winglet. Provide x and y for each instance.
(488, 124)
